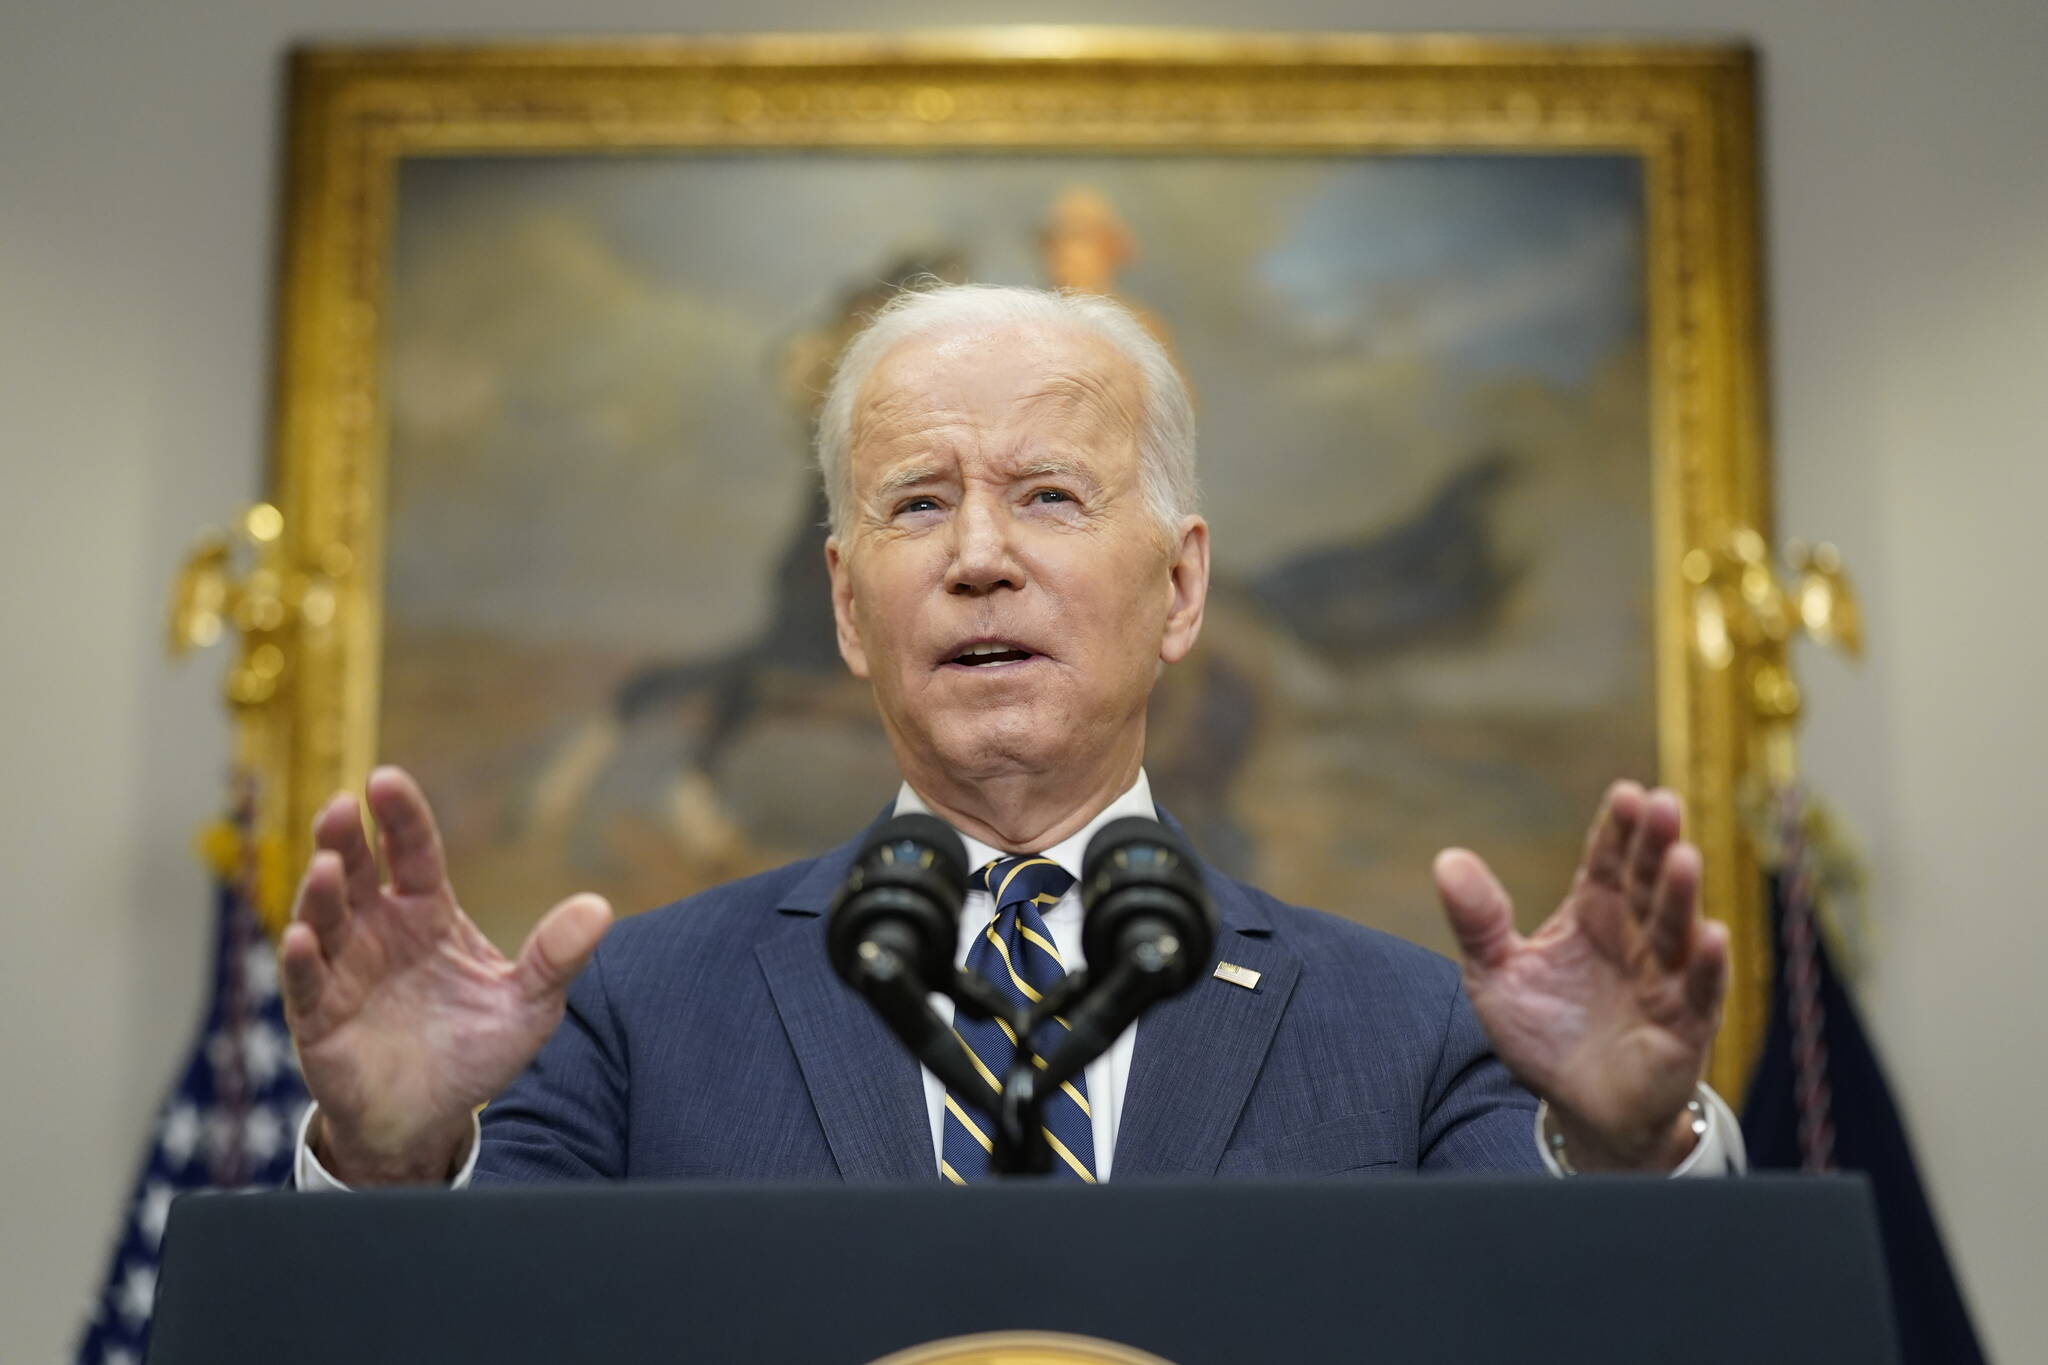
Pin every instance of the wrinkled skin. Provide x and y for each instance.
(405, 1017)
(996, 500)
(1608, 1009)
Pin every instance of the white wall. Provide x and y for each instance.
(1909, 248)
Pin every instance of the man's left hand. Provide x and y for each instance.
(1608, 1009)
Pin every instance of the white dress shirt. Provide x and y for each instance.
(1718, 1150)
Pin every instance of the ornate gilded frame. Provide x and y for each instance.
(310, 712)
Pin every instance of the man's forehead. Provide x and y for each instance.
(986, 370)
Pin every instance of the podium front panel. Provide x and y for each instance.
(1376, 1270)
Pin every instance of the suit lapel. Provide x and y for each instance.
(1197, 1055)
(868, 1092)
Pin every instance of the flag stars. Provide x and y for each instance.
(259, 972)
(231, 1119)
(264, 1049)
(263, 1133)
(180, 1134)
(153, 1210)
(259, 1050)
(136, 1298)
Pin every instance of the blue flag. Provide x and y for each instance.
(1819, 1102)
(229, 1124)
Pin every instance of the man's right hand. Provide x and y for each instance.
(405, 1016)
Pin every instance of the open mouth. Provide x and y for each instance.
(991, 654)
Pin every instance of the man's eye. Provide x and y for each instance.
(917, 505)
(1050, 495)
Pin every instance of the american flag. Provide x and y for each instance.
(228, 1124)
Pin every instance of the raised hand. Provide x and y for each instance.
(405, 1016)
(1608, 1009)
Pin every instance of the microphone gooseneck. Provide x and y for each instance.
(891, 930)
(1147, 931)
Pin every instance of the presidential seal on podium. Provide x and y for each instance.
(1022, 1348)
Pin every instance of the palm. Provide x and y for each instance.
(405, 1016)
(1608, 1009)
(421, 1013)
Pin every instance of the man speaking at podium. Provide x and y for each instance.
(1015, 555)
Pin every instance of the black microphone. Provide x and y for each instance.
(1147, 930)
(1145, 906)
(891, 932)
(898, 912)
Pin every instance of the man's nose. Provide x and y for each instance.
(984, 558)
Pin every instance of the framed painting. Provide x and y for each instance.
(1472, 326)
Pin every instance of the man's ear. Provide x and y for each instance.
(842, 610)
(1188, 590)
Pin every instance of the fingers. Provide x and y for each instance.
(1480, 914)
(1706, 975)
(412, 845)
(1607, 843)
(322, 906)
(1656, 829)
(301, 972)
(562, 943)
(1673, 905)
(339, 828)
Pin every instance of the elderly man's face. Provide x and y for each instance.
(1003, 581)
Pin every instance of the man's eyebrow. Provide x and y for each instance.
(909, 476)
(1050, 467)
(920, 473)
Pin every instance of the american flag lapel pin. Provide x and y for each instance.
(1237, 976)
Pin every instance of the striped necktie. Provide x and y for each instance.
(1016, 953)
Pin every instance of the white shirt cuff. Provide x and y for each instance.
(309, 1174)
(1719, 1150)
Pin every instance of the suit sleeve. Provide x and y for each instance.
(1476, 1118)
(565, 1117)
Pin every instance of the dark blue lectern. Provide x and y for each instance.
(1371, 1270)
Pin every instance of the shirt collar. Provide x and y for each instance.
(1067, 853)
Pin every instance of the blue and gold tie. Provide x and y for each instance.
(1016, 952)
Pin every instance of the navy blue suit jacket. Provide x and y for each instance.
(711, 1039)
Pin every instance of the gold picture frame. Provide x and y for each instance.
(310, 712)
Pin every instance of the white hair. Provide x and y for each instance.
(1166, 424)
